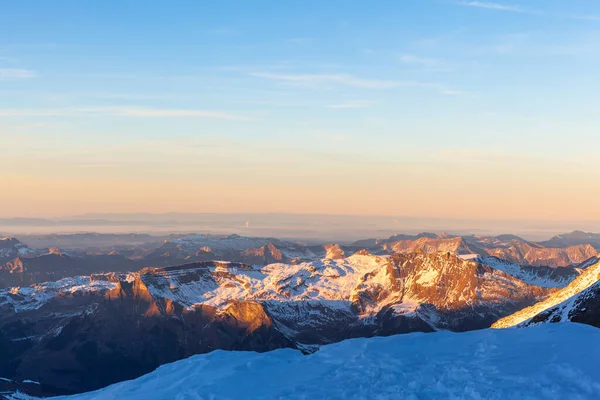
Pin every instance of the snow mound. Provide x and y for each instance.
(557, 361)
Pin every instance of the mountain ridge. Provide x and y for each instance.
(588, 278)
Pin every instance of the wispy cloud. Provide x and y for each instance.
(316, 80)
(326, 81)
(492, 6)
(122, 112)
(428, 63)
(350, 105)
(33, 126)
(450, 92)
(478, 155)
(412, 59)
(152, 112)
(519, 9)
(15, 73)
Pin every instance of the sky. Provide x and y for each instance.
(420, 108)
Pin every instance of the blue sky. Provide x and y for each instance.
(299, 103)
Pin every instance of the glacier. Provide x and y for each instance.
(552, 361)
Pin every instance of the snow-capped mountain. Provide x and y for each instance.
(546, 277)
(536, 255)
(584, 307)
(141, 320)
(506, 247)
(23, 266)
(574, 238)
(488, 364)
(11, 248)
(235, 248)
(55, 264)
(362, 283)
(219, 243)
(262, 251)
(432, 245)
(558, 306)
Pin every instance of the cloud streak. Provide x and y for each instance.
(350, 105)
(492, 6)
(519, 9)
(318, 80)
(138, 112)
(15, 73)
(424, 61)
(326, 81)
(427, 63)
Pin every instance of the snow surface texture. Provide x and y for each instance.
(566, 296)
(554, 361)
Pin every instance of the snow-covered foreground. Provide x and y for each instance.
(554, 361)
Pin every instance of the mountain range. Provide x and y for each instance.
(76, 320)
(22, 265)
(135, 322)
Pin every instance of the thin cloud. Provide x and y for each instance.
(450, 92)
(122, 112)
(427, 63)
(34, 126)
(492, 6)
(339, 79)
(424, 61)
(319, 81)
(518, 9)
(150, 112)
(350, 105)
(477, 155)
(14, 73)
